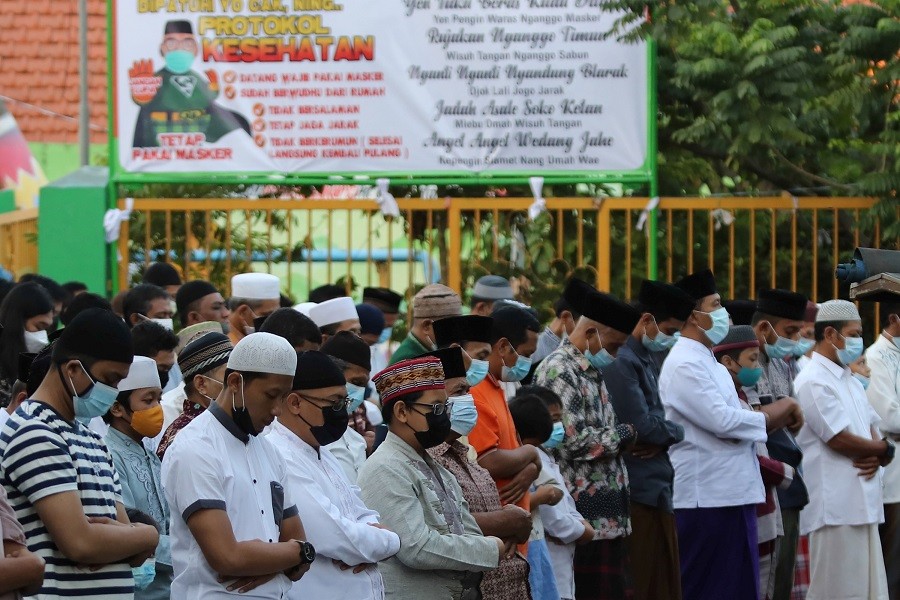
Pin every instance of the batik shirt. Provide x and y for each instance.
(590, 457)
(192, 410)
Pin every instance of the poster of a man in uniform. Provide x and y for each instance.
(177, 99)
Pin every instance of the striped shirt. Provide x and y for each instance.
(43, 455)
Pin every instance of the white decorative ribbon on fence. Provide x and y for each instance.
(645, 214)
(428, 192)
(113, 219)
(385, 200)
(537, 190)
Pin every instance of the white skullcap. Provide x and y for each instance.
(142, 374)
(837, 310)
(256, 286)
(333, 311)
(264, 353)
(304, 307)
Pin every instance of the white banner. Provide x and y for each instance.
(376, 86)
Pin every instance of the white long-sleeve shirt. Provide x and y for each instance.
(336, 522)
(883, 357)
(715, 465)
(563, 522)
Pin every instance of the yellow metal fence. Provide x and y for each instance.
(749, 242)
(18, 241)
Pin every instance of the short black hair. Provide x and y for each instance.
(327, 292)
(387, 411)
(123, 398)
(83, 302)
(549, 397)
(73, 287)
(887, 309)
(152, 338)
(734, 354)
(293, 326)
(531, 416)
(560, 306)
(138, 300)
(821, 326)
(513, 323)
(56, 291)
(761, 316)
(248, 376)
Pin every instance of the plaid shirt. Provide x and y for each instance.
(590, 457)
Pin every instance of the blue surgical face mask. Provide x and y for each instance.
(144, 574)
(782, 348)
(463, 415)
(853, 349)
(719, 328)
(749, 377)
(518, 371)
(863, 380)
(478, 370)
(179, 61)
(356, 394)
(557, 437)
(599, 360)
(97, 399)
(803, 346)
(385, 335)
(660, 343)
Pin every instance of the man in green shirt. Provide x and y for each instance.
(176, 99)
(433, 303)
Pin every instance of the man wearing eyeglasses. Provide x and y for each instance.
(176, 99)
(347, 535)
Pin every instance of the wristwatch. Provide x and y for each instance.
(891, 449)
(307, 552)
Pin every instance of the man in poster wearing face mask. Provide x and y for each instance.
(59, 475)
(176, 99)
(590, 458)
(633, 384)
(442, 549)
(717, 480)
(777, 322)
(513, 466)
(348, 537)
(843, 455)
(253, 295)
(236, 528)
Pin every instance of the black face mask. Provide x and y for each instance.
(163, 379)
(241, 416)
(437, 432)
(332, 429)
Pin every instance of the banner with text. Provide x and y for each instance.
(376, 86)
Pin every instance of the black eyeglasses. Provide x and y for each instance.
(336, 406)
(438, 408)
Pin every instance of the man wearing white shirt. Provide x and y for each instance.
(883, 358)
(717, 480)
(234, 525)
(842, 458)
(348, 539)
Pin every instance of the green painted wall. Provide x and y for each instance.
(72, 245)
(58, 160)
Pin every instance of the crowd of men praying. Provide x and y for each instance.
(173, 443)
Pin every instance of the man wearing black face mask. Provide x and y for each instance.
(346, 534)
(238, 527)
(443, 551)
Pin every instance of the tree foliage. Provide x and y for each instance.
(795, 95)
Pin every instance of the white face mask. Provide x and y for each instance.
(36, 340)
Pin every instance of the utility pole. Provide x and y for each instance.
(84, 114)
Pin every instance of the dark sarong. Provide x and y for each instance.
(719, 553)
(653, 552)
(602, 571)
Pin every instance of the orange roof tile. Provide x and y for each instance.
(39, 68)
